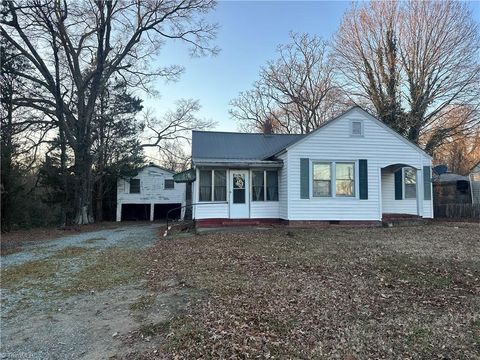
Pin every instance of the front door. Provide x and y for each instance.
(239, 195)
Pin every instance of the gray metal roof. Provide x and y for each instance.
(247, 146)
(450, 177)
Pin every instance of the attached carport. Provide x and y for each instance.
(160, 211)
(139, 212)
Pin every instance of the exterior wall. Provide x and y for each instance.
(333, 143)
(152, 190)
(475, 184)
(389, 204)
(208, 210)
(220, 210)
(283, 188)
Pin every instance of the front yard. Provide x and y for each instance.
(349, 293)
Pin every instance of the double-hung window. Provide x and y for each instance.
(169, 184)
(333, 179)
(345, 179)
(322, 179)
(134, 186)
(212, 185)
(410, 183)
(264, 185)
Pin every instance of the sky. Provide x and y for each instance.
(248, 36)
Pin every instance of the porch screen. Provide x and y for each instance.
(205, 193)
(220, 185)
(272, 185)
(257, 186)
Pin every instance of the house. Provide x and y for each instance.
(475, 183)
(354, 168)
(149, 195)
(450, 188)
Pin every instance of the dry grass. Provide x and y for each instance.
(74, 270)
(325, 293)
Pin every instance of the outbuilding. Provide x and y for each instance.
(150, 195)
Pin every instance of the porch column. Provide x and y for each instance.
(152, 209)
(119, 211)
(419, 186)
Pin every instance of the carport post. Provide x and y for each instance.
(119, 211)
(152, 209)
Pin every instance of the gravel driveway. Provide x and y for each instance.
(79, 296)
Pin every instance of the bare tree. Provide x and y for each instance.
(76, 46)
(460, 151)
(171, 133)
(295, 93)
(414, 66)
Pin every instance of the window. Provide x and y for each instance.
(272, 185)
(134, 186)
(258, 186)
(205, 193)
(410, 183)
(322, 179)
(169, 184)
(340, 174)
(356, 128)
(213, 183)
(220, 184)
(265, 185)
(345, 179)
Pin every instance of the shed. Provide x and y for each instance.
(150, 195)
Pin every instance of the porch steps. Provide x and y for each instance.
(391, 220)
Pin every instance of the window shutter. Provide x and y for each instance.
(363, 178)
(304, 179)
(427, 188)
(398, 185)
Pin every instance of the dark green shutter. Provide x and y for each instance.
(427, 189)
(304, 179)
(398, 185)
(363, 178)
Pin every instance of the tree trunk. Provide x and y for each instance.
(99, 200)
(83, 186)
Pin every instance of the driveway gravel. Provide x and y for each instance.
(44, 316)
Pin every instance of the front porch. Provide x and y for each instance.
(405, 192)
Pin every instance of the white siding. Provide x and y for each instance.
(334, 143)
(283, 188)
(389, 204)
(475, 184)
(264, 209)
(152, 190)
(211, 211)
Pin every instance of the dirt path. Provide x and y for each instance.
(79, 296)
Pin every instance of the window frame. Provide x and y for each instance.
(212, 191)
(330, 163)
(404, 183)
(333, 180)
(362, 129)
(165, 184)
(130, 186)
(265, 187)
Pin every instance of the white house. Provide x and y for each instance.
(149, 195)
(354, 168)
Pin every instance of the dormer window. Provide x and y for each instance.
(356, 128)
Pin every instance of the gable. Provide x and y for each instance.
(379, 143)
(339, 129)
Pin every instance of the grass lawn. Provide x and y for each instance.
(349, 293)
